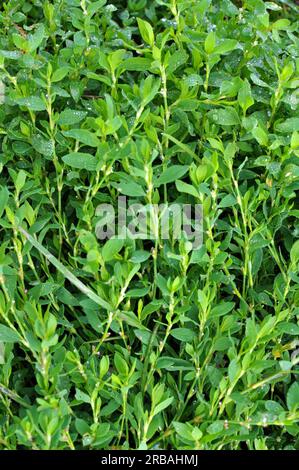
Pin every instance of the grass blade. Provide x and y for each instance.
(66, 272)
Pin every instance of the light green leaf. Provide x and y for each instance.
(183, 334)
(35, 40)
(42, 145)
(7, 335)
(233, 370)
(81, 396)
(139, 256)
(69, 117)
(20, 180)
(81, 160)
(149, 89)
(176, 59)
(260, 135)
(293, 396)
(171, 174)
(120, 364)
(295, 140)
(227, 45)
(225, 117)
(227, 201)
(164, 404)
(146, 31)
(59, 74)
(295, 253)
(222, 309)
(34, 103)
(186, 188)
(111, 248)
(96, 7)
(289, 125)
(138, 64)
(215, 427)
(288, 328)
(281, 24)
(20, 42)
(184, 430)
(4, 195)
(131, 189)
(210, 42)
(84, 136)
(245, 97)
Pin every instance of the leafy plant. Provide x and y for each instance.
(149, 344)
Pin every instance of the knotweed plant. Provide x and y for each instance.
(115, 341)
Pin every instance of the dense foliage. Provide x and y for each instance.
(149, 344)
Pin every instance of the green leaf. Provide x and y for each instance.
(81, 396)
(245, 97)
(7, 335)
(216, 144)
(84, 136)
(81, 160)
(176, 60)
(42, 145)
(186, 188)
(210, 42)
(149, 89)
(4, 195)
(115, 58)
(295, 140)
(225, 117)
(164, 404)
(96, 7)
(146, 31)
(35, 40)
(222, 309)
(137, 293)
(260, 135)
(289, 125)
(215, 427)
(131, 189)
(81, 426)
(34, 103)
(59, 74)
(228, 201)
(171, 174)
(104, 366)
(138, 64)
(294, 255)
(69, 117)
(2, 353)
(183, 334)
(233, 370)
(20, 42)
(293, 396)
(288, 328)
(139, 256)
(120, 364)
(20, 180)
(226, 45)
(281, 24)
(111, 248)
(184, 430)
(222, 344)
